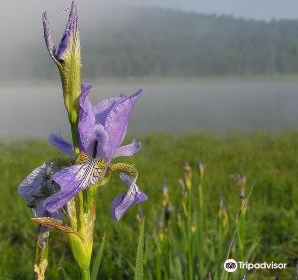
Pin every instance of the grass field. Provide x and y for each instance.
(194, 237)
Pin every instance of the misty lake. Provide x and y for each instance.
(175, 107)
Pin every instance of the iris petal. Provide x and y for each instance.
(128, 150)
(32, 182)
(37, 187)
(70, 33)
(48, 36)
(103, 108)
(72, 180)
(61, 144)
(87, 117)
(116, 122)
(123, 201)
(99, 135)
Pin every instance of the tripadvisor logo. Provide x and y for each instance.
(231, 265)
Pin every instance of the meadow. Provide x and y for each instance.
(189, 226)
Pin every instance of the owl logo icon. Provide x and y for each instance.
(230, 265)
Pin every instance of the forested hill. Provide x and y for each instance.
(153, 41)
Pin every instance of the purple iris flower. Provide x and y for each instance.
(69, 39)
(123, 201)
(37, 187)
(102, 129)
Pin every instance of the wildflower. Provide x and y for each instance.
(223, 216)
(167, 214)
(38, 186)
(123, 201)
(68, 60)
(183, 188)
(239, 179)
(187, 175)
(201, 169)
(159, 231)
(102, 129)
(165, 194)
(140, 217)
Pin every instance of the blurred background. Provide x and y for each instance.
(220, 81)
(205, 64)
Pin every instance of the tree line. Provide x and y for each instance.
(166, 42)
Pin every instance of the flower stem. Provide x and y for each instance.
(85, 274)
(41, 255)
(75, 140)
(189, 221)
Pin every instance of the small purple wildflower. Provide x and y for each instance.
(123, 201)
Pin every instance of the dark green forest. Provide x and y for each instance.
(157, 42)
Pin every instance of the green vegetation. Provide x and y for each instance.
(175, 245)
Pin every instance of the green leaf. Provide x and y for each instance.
(97, 261)
(140, 255)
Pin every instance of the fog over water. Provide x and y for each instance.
(175, 107)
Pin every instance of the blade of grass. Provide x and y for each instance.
(140, 255)
(235, 232)
(97, 261)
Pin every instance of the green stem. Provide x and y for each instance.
(85, 274)
(189, 220)
(201, 229)
(83, 216)
(74, 133)
(201, 199)
(79, 199)
(158, 261)
(41, 255)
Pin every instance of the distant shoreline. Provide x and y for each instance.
(160, 79)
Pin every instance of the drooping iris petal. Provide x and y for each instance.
(33, 181)
(72, 180)
(61, 144)
(116, 122)
(123, 201)
(128, 150)
(37, 187)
